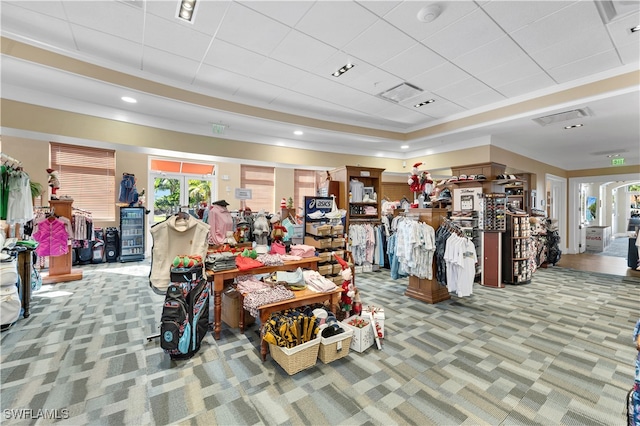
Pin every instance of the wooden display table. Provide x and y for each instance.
(218, 278)
(302, 298)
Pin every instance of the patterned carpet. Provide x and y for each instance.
(556, 351)
(619, 247)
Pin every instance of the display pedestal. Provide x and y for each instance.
(60, 266)
(429, 291)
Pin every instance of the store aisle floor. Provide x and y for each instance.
(556, 351)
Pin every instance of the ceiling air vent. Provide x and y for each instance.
(400, 93)
(562, 116)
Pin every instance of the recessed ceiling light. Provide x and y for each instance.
(298, 132)
(574, 126)
(344, 69)
(635, 29)
(129, 99)
(430, 101)
(186, 9)
(404, 147)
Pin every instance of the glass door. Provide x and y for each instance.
(171, 192)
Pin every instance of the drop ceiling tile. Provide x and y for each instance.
(481, 99)
(629, 53)
(325, 89)
(371, 105)
(523, 86)
(278, 73)
(286, 12)
(53, 8)
(491, 55)
(403, 115)
(206, 18)
(461, 89)
(256, 93)
(294, 103)
(512, 15)
(381, 7)
(522, 67)
(37, 26)
(336, 22)
(413, 61)
(405, 17)
(379, 43)
(170, 66)
(251, 30)
(106, 46)
(442, 76)
(557, 26)
(174, 37)
(302, 51)
(582, 43)
(218, 82)
(233, 58)
(370, 80)
(468, 33)
(441, 108)
(113, 18)
(585, 67)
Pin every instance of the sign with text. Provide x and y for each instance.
(243, 194)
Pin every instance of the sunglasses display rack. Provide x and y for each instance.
(493, 212)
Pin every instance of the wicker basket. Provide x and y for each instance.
(329, 346)
(297, 358)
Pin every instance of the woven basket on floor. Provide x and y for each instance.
(297, 358)
(329, 351)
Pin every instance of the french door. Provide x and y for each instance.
(175, 192)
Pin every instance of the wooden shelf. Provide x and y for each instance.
(370, 177)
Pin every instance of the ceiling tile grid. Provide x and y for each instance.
(280, 54)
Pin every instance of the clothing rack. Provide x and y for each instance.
(453, 227)
(10, 161)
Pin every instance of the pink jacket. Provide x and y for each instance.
(52, 238)
(220, 221)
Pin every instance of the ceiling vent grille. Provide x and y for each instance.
(562, 116)
(400, 93)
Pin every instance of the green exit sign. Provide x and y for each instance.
(617, 161)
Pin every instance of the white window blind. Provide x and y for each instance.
(304, 186)
(88, 176)
(260, 180)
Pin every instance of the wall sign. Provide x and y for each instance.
(243, 194)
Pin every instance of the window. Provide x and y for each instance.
(305, 184)
(260, 180)
(88, 176)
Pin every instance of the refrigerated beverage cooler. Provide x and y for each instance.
(132, 234)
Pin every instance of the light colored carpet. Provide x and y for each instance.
(556, 351)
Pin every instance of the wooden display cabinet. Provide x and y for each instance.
(371, 178)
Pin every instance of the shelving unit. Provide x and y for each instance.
(131, 234)
(326, 235)
(516, 191)
(515, 265)
(371, 178)
(492, 223)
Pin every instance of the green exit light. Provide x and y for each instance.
(617, 161)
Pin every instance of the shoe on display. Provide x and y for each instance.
(316, 215)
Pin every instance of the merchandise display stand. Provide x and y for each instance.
(493, 223)
(429, 291)
(371, 178)
(516, 250)
(60, 266)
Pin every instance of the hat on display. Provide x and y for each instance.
(453, 179)
(481, 177)
(445, 194)
(462, 177)
(222, 203)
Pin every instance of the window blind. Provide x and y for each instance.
(304, 186)
(88, 176)
(261, 182)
